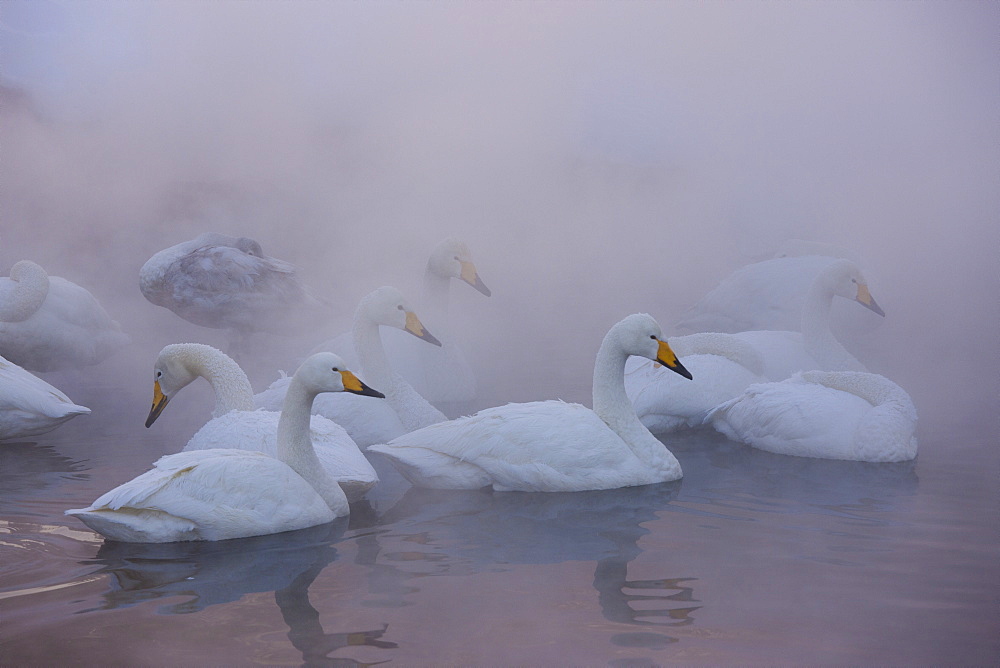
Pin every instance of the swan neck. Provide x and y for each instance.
(817, 337)
(436, 297)
(295, 446)
(371, 353)
(29, 290)
(233, 391)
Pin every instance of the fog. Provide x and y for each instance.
(598, 158)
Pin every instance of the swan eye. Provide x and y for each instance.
(854, 280)
(159, 374)
(334, 369)
(400, 307)
(653, 336)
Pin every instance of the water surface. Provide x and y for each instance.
(751, 558)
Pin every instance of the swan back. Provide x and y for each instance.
(29, 286)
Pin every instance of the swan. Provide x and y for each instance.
(439, 374)
(229, 493)
(225, 282)
(722, 365)
(48, 323)
(815, 347)
(29, 406)
(404, 409)
(828, 414)
(550, 446)
(235, 422)
(770, 295)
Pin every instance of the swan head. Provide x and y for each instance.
(327, 372)
(846, 280)
(387, 306)
(451, 259)
(639, 334)
(178, 364)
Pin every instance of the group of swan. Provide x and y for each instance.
(47, 323)
(404, 409)
(799, 393)
(252, 471)
(223, 493)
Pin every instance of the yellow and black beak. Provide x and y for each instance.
(865, 299)
(470, 276)
(666, 357)
(415, 327)
(354, 385)
(159, 403)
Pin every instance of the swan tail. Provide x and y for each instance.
(137, 525)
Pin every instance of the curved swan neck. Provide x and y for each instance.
(873, 388)
(612, 405)
(817, 337)
(368, 346)
(31, 287)
(722, 345)
(232, 387)
(295, 446)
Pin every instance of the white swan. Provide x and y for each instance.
(815, 347)
(770, 295)
(550, 446)
(49, 323)
(228, 493)
(833, 415)
(226, 282)
(404, 409)
(29, 406)
(722, 365)
(439, 374)
(235, 423)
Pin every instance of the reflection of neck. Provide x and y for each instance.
(31, 287)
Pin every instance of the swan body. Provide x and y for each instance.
(722, 365)
(236, 424)
(49, 323)
(550, 446)
(404, 409)
(832, 415)
(771, 295)
(29, 406)
(440, 374)
(815, 346)
(225, 282)
(229, 493)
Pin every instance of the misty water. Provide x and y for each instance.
(750, 558)
(599, 159)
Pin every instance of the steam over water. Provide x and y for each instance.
(599, 159)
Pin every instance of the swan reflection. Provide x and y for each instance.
(209, 573)
(447, 532)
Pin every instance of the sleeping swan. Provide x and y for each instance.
(49, 323)
(550, 446)
(225, 282)
(829, 414)
(29, 406)
(722, 365)
(226, 493)
(235, 423)
(404, 409)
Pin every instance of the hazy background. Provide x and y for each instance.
(598, 158)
